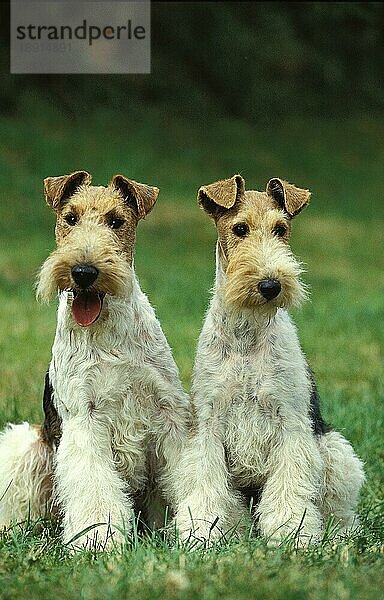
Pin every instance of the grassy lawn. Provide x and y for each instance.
(339, 238)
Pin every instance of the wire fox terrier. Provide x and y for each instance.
(259, 435)
(116, 415)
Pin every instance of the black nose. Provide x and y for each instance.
(84, 275)
(269, 288)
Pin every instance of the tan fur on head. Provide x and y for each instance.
(221, 195)
(95, 226)
(140, 196)
(86, 246)
(257, 260)
(58, 189)
(253, 234)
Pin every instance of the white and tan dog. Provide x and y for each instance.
(116, 416)
(259, 433)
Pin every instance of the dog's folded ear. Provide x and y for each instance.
(139, 196)
(288, 197)
(218, 197)
(59, 189)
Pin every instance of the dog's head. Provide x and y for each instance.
(253, 240)
(95, 237)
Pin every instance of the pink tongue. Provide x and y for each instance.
(86, 308)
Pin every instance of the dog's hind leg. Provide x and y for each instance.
(343, 478)
(25, 474)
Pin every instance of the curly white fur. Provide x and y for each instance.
(25, 474)
(251, 391)
(124, 421)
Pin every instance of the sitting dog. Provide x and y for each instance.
(259, 435)
(116, 415)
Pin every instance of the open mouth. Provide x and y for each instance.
(86, 307)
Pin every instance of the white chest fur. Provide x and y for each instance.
(250, 377)
(120, 373)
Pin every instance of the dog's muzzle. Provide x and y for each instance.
(87, 304)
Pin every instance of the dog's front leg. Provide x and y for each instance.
(207, 506)
(89, 489)
(287, 504)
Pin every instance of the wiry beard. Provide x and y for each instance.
(99, 251)
(253, 262)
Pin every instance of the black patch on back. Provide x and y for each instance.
(319, 426)
(51, 429)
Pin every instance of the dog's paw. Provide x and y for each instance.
(302, 528)
(198, 532)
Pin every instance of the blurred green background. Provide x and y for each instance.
(288, 89)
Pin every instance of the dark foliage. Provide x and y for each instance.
(246, 59)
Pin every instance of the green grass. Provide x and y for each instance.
(339, 238)
(152, 569)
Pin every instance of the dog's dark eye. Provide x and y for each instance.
(115, 222)
(71, 219)
(240, 229)
(280, 230)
